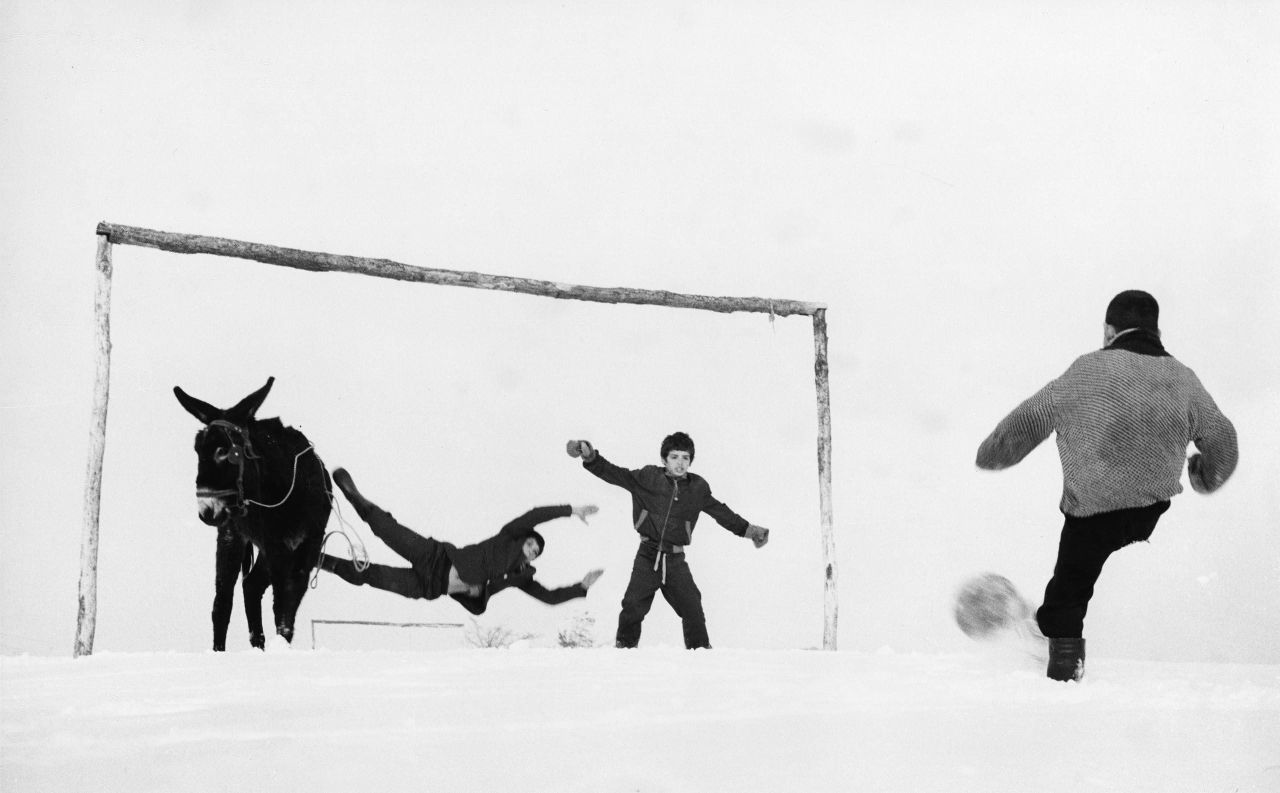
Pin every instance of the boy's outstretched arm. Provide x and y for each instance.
(535, 516)
(736, 523)
(561, 594)
(594, 462)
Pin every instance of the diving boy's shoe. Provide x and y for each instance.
(348, 487)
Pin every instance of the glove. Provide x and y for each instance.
(1195, 474)
(580, 449)
(757, 534)
(584, 511)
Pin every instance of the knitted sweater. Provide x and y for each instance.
(1123, 417)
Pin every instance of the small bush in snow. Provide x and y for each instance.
(498, 636)
(579, 633)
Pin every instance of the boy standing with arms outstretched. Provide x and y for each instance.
(665, 503)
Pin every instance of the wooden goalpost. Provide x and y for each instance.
(112, 234)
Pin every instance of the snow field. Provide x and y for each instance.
(655, 719)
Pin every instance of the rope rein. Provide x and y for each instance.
(360, 560)
(292, 484)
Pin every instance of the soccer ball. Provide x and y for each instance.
(988, 604)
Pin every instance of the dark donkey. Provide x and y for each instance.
(262, 485)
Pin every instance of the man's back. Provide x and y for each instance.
(1123, 421)
(1123, 417)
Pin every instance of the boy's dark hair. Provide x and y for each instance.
(677, 441)
(542, 544)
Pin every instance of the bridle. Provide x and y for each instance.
(238, 453)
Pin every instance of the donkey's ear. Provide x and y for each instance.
(201, 410)
(246, 408)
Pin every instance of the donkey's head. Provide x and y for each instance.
(224, 451)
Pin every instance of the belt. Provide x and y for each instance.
(670, 547)
(664, 548)
(660, 558)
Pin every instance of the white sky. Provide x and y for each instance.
(965, 188)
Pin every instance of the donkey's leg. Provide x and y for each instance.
(255, 584)
(230, 552)
(288, 585)
(299, 580)
(295, 577)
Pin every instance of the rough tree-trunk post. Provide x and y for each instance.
(111, 233)
(823, 386)
(87, 616)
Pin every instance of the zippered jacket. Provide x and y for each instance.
(498, 563)
(665, 510)
(1123, 417)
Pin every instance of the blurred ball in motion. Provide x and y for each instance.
(987, 604)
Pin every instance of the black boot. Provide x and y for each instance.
(342, 568)
(343, 480)
(1066, 659)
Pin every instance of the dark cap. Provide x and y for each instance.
(1133, 308)
(542, 543)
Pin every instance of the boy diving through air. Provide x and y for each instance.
(470, 574)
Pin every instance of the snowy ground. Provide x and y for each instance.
(655, 719)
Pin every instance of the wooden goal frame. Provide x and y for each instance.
(110, 234)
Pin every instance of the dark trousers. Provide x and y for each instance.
(1085, 546)
(427, 578)
(674, 579)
